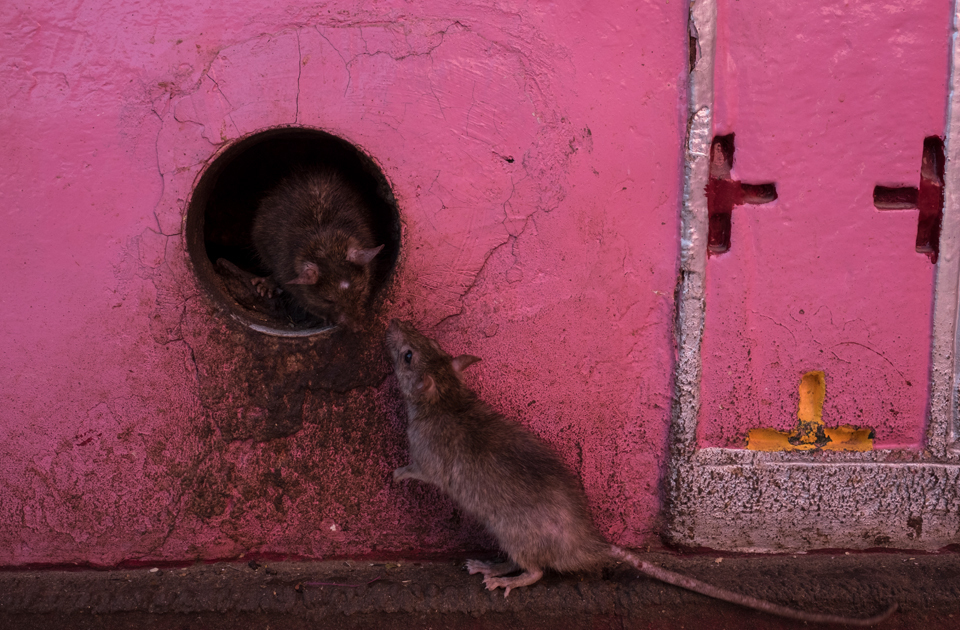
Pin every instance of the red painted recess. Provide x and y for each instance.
(723, 193)
(927, 198)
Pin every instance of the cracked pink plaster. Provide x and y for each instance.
(827, 102)
(535, 156)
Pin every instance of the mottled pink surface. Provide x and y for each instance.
(826, 100)
(558, 268)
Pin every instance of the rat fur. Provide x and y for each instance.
(313, 233)
(512, 482)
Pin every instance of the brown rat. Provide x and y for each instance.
(313, 233)
(512, 482)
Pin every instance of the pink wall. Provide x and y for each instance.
(558, 268)
(827, 102)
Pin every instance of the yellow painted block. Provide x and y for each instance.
(773, 440)
(811, 434)
(848, 438)
(842, 438)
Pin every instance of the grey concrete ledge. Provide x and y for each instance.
(767, 505)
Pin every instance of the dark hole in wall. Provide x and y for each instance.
(225, 201)
(930, 198)
(694, 48)
(886, 198)
(722, 194)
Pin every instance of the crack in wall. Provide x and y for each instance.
(296, 117)
(348, 63)
(776, 323)
(156, 152)
(879, 354)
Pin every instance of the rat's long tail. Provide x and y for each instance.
(703, 588)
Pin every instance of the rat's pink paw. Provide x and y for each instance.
(265, 287)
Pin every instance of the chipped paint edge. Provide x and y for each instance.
(693, 228)
(945, 368)
(755, 501)
(279, 332)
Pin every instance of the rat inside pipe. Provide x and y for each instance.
(313, 233)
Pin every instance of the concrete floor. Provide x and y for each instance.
(352, 594)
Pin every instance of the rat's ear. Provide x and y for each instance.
(309, 274)
(362, 256)
(428, 386)
(463, 362)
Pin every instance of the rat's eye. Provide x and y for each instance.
(407, 356)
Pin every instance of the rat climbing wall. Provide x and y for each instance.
(823, 103)
(535, 155)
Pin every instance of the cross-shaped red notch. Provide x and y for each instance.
(928, 198)
(724, 193)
